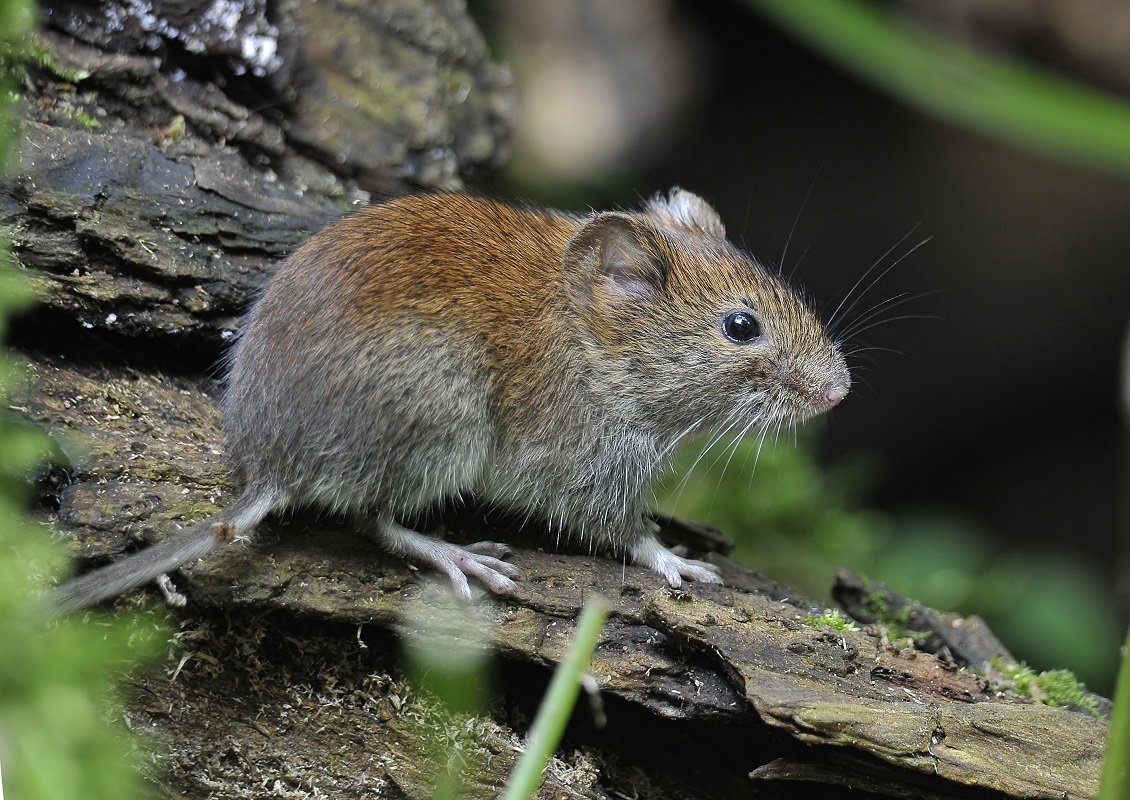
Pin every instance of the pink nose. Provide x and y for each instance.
(832, 394)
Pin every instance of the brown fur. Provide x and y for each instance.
(445, 344)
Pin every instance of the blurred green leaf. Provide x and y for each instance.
(59, 733)
(798, 523)
(1116, 765)
(1024, 104)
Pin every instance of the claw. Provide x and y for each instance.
(482, 560)
(648, 552)
(494, 574)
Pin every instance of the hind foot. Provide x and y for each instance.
(482, 560)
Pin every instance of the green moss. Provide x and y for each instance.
(1017, 677)
(86, 120)
(16, 56)
(1061, 688)
(896, 621)
(1058, 688)
(831, 618)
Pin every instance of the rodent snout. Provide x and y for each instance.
(832, 393)
(819, 397)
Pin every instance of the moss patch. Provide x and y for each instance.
(830, 618)
(1058, 688)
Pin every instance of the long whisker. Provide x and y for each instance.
(893, 300)
(752, 454)
(729, 450)
(735, 443)
(762, 436)
(796, 219)
(858, 353)
(863, 380)
(686, 432)
(882, 307)
(868, 271)
(748, 209)
(681, 486)
(874, 280)
(885, 320)
(882, 275)
(757, 453)
(796, 266)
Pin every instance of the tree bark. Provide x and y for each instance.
(166, 166)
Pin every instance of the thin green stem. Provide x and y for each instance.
(1115, 783)
(545, 733)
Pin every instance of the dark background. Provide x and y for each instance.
(1003, 412)
(1005, 407)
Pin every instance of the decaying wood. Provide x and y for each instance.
(147, 202)
(843, 708)
(967, 640)
(150, 232)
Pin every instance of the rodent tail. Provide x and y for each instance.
(140, 568)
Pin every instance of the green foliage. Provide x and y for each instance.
(57, 738)
(798, 522)
(831, 618)
(58, 735)
(57, 684)
(1115, 784)
(1024, 104)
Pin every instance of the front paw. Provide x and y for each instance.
(651, 554)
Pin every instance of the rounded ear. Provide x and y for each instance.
(685, 210)
(614, 255)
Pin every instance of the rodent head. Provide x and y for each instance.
(687, 330)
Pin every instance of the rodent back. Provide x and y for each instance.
(393, 338)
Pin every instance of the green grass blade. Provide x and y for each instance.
(1021, 103)
(555, 709)
(1115, 783)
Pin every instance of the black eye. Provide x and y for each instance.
(741, 326)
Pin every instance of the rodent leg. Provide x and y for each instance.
(646, 551)
(477, 560)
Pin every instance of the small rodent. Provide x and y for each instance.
(442, 345)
